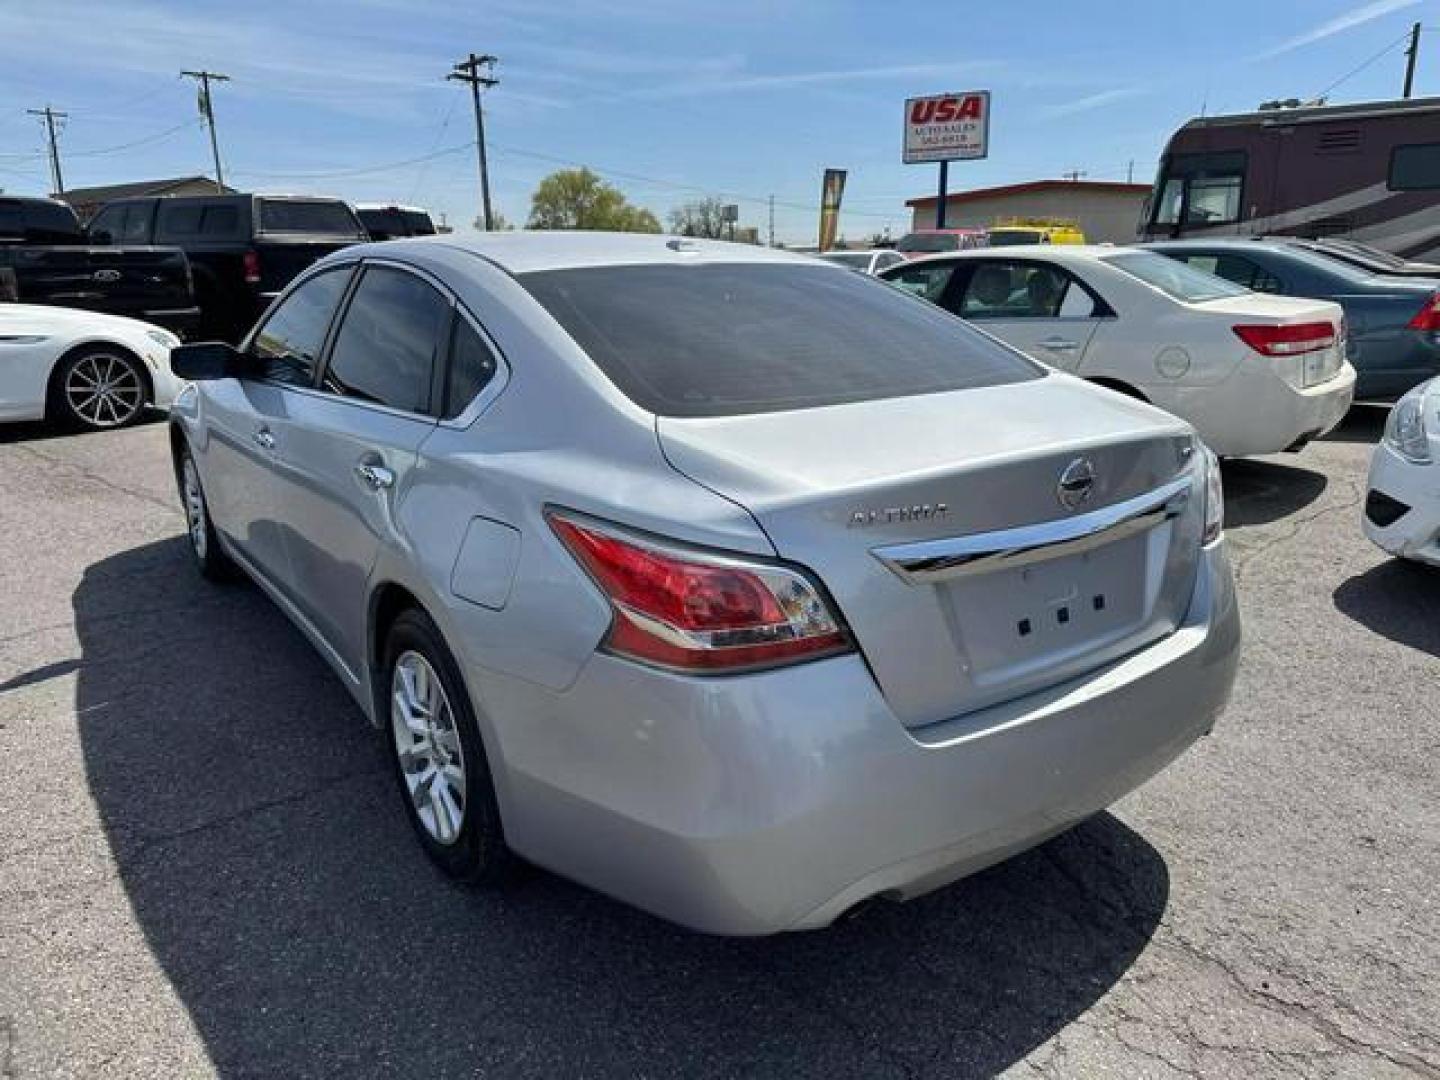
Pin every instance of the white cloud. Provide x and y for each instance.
(1355, 17)
(952, 70)
(1090, 101)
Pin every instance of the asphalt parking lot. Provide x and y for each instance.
(203, 871)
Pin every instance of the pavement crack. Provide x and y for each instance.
(1294, 524)
(73, 470)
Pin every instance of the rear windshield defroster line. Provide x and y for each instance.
(731, 339)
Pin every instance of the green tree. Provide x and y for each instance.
(578, 199)
(705, 218)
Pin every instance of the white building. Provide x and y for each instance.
(1106, 212)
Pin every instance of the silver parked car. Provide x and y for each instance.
(726, 581)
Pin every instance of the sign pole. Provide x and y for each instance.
(940, 206)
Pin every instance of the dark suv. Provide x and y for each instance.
(243, 249)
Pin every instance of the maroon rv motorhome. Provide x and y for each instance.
(1367, 172)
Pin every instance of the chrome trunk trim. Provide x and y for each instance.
(928, 562)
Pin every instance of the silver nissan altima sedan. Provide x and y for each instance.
(725, 581)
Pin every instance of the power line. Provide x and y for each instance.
(361, 170)
(145, 140)
(1356, 71)
(425, 166)
(207, 110)
(468, 71)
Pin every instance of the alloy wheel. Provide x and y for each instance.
(104, 390)
(432, 760)
(195, 514)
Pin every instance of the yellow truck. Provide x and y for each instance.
(1010, 231)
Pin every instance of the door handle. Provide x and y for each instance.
(264, 438)
(1059, 345)
(375, 477)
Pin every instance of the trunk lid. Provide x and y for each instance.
(864, 496)
(1301, 370)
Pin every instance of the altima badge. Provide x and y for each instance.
(896, 514)
(1077, 483)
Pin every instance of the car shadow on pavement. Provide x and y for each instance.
(255, 827)
(29, 431)
(1398, 600)
(1364, 423)
(1259, 492)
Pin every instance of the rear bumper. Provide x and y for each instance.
(1415, 534)
(183, 322)
(779, 800)
(1255, 411)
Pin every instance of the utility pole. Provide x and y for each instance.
(1130, 172)
(1074, 175)
(50, 116)
(1411, 54)
(772, 221)
(207, 110)
(468, 71)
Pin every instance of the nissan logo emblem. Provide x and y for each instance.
(1077, 483)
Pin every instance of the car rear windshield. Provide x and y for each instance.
(310, 216)
(38, 222)
(1011, 237)
(731, 339)
(938, 241)
(419, 222)
(1174, 278)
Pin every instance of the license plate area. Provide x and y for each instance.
(1012, 621)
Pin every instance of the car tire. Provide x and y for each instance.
(210, 557)
(437, 754)
(99, 388)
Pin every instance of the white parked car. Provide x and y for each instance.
(83, 368)
(866, 262)
(1253, 373)
(1402, 505)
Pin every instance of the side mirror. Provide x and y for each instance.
(209, 360)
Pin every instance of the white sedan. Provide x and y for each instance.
(1253, 373)
(866, 262)
(82, 368)
(1402, 503)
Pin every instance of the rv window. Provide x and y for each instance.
(1201, 189)
(1415, 168)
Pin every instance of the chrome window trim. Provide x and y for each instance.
(928, 562)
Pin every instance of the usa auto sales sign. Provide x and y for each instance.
(947, 127)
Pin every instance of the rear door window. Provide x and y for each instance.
(390, 338)
(288, 343)
(136, 228)
(726, 339)
(309, 216)
(999, 289)
(107, 226)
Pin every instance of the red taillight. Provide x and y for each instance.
(1288, 340)
(252, 268)
(700, 612)
(1428, 317)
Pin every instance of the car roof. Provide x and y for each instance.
(1051, 252)
(390, 206)
(526, 251)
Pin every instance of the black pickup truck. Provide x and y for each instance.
(46, 258)
(243, 248)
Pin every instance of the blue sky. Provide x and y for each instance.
(670, 99)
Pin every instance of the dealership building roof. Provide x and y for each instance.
(1033, 187)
